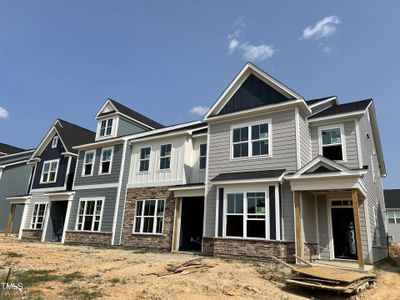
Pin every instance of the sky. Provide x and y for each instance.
(170, 60)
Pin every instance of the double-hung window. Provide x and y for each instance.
(144, 159)
(38, 215)
(251, 141)
(165, 156)
(393, 217)
(105, 161)
(106, 127)
(246, 215)
(203, 156)
(331, 143)
(49, 171)
(88, 163)
(89, 215)
(149, 216)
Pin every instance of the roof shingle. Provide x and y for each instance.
(249, 175)
(342, 108)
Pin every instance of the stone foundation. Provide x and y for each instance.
(156, 241)
(310, 251)
(245, 248)
(32, 234)
(88, 238)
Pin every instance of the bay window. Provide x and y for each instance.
(89, 215)
(251, 140)
(149, 216)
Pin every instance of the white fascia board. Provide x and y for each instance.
(103, 106)
(16, 154)
(14, 163)
(338, 116)
(377, 139)
(187, 188)
(349, 173)
(161, 136)
(99, 144)
(321, 159)
(66, 154)
(247, 181)
(323, 102)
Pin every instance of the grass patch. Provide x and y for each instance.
(68, 278)
(11, 254)
(77, 293)
(31, 277)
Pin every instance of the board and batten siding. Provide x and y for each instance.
(96, 178)
(126, 127)
(195, 174)
(109, 203)
(283, 157)
(154, 176)
(350, 140)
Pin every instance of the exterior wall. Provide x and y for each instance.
(96, 178)
(308, 217)
(87, 238)
(248, 248)
(32, 235)
(305, 141)
(37, 197)
(283, 157)
(14, 181)
(126, 127)
(393, 229)
(157, 241)
(375, 197)
(195, 173)
(156, 177)
(350, 140)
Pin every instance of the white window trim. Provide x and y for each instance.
(84, 164)
(342, 136)
(249, 140)
(113, 129)
(54, 142)
(44, 216)
(244, 191)
(154, 218)
(101, 160)
(102, 199)
(149, 159)
(395, 218)
(202, 156)
(170, 158)
(55, 176)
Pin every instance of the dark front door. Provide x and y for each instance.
(344, 238)
(191, 233)
(57, 220)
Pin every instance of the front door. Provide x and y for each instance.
(191, 233)
(56, 222)
(344, 238)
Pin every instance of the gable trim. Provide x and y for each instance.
(322, 160)
(324, 101)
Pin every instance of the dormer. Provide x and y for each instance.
(115, 119)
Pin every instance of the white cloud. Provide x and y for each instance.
(323, 28)
(327, 49)
(199, 110)
(3, 113)
(249, 51)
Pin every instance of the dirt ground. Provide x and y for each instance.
(81, 272)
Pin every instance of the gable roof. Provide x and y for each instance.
(248, 70)
(130, 113)
(317, 163)
(8, 149)
(392, 198)
(356, 106)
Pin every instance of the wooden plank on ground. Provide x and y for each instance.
(333, 274)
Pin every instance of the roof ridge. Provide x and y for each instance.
(73, 124)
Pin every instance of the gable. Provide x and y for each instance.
(253, 93)
(320, 169)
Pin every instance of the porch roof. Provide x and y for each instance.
(189, 190)
(19, 199)
(249, 177)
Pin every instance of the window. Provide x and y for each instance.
(38, 215)
(165, 157)
(251, 141)
(393, 217)
(331, 143)
(203, 156)
(49, 171)
(106, 127)
(144, 159)
(88, 163)
(149, 216)
(246, 215)
(89, 215)
(105, 161)
(54, 142)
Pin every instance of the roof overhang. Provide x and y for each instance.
(60, 196)
(350, 115)
(104, 143)
(377, 139)
(188, 191)
(330, 99)
(19, 199)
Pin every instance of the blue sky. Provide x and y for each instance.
(164, 58)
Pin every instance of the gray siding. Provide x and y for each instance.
(96, 178)
(283, 156)
(374, 190)
(126, 127)
(323, 227)
(394, 230)
(350, 140)
(305, 141)
(13, 182)
(108, 206)
(308, 217)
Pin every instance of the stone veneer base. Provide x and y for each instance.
(31, 234)
(88, 238)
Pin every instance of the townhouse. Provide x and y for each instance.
(392, 204)
(266, 172)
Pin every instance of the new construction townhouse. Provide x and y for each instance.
(264, 173)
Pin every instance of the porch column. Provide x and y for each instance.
(298, 236)
(357, 227)
(177, 224)
(10, 219)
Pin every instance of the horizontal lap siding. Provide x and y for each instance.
(323, 227)
(36, 197)
(283, 157)
(108, 206)
(305, 141)
(96, 178)
(126, 127)
(308, 215)
(394, 231)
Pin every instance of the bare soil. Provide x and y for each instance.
(83, 272)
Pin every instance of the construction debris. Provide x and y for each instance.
(187, 267)
(328, 278)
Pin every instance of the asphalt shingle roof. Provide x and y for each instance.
(343, 108)
(74, 135)
(392, 198)
(313, 101)
(8, 149)
(248, 175)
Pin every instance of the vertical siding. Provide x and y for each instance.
(283, 156)
(126, 127)
(197, 175)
